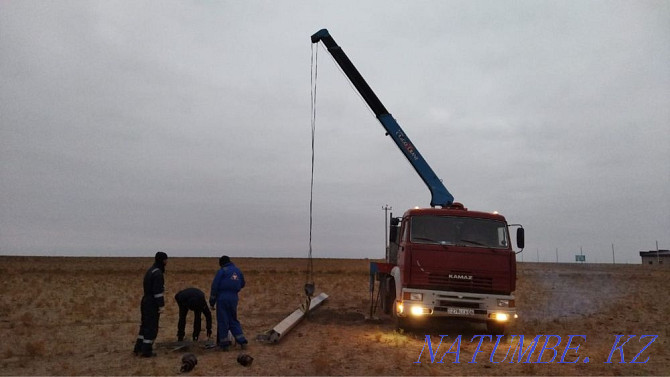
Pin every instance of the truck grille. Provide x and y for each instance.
(477, 284)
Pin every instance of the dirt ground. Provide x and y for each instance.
(80, 316)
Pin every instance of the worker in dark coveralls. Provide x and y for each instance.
(227, 283)
(192, 299)
(152, 305)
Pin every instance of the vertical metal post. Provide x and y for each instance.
(556, 255)
(613, 259)
(658, 258)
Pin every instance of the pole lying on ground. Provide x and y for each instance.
(283, 327)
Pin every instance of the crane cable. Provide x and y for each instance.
(309, 281)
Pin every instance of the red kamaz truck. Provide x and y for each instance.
(443, 261)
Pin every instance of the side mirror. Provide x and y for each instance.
(520, 238)
(393, 230)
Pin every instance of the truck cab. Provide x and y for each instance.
(451, 262)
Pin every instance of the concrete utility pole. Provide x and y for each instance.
(386, 209)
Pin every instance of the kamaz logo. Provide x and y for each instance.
(460, 277)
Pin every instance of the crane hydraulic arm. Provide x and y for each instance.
(440, 196)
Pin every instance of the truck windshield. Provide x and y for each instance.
(460, 231)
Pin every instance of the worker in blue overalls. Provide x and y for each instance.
(228, 281)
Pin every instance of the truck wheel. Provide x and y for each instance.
(389, 304)
(496, 328)
(403, 323)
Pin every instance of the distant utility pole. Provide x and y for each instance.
(613, 259)
(538, 254)
(386, 209)
(556, 255)
(658, 258)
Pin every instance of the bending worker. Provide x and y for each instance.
(152, 305)
(192, 299)
(227, 283)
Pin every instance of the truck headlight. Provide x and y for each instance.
(417, 310)
(504, 303)
(414, 296)
(501, 317)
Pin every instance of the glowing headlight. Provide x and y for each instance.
(417, 310)
(400, 307)
(501, 317)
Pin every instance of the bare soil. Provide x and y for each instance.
(80, 316)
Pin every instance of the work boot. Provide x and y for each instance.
(147, 350)
(138, 347)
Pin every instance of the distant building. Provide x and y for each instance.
(654, 257)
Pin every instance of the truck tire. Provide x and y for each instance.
(401, 323)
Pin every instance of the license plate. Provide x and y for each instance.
(460, 311)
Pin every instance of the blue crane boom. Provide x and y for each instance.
(440, 196)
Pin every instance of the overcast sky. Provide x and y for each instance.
(128, 127)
